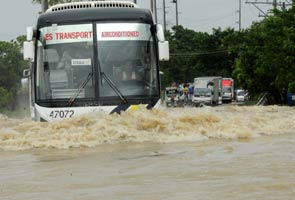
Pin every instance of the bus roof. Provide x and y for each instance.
(91, 4)
(96, 14)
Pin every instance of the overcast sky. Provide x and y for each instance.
(199, 15)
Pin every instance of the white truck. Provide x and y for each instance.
(227, 89)
(207, 91)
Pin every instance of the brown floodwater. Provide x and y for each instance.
(227, 152)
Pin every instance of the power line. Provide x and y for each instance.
(188, 54)
(274, 3)
(213, 18)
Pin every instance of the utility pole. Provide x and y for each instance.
(275, 3)
(44, 5)
(152, 6)
(240, 15)
(176, 10)
(164, 14)
(156, 12)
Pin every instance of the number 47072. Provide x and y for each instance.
(61, 114)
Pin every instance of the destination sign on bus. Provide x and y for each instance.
(83, 33)
(123, 31)
(120, 34)
(67, 33)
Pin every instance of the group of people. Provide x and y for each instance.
(182, 94)
(186, 91)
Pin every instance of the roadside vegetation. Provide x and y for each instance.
(260, 58)
(11, 68)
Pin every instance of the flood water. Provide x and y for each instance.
(228, 152)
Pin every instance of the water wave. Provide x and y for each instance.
(158, 125)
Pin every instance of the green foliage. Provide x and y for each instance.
(266, 61)
(5, 98)
(260, 58)
(52, 2)
(11, 67)
(196, 54)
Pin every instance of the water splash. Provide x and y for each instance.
(158, 125)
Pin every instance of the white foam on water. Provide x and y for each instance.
(158, 125)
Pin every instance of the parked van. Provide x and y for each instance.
(240, 95)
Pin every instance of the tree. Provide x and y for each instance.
(195, 54)
(52, 2)
(11, 67)
(266, 62)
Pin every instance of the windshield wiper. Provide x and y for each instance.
(114, 87)
(77, 93)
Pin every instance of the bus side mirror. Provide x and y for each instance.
(28, 47)
(30, 33)
(162, 44)
(160, 32)
(163, 51)
(28, 50)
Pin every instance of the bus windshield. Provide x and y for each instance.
(72, 62)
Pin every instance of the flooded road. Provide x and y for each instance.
(227, 152)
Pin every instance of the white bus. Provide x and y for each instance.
(79, 52)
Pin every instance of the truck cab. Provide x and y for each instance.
(207, 91)
(227, 89)
(202, 96)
